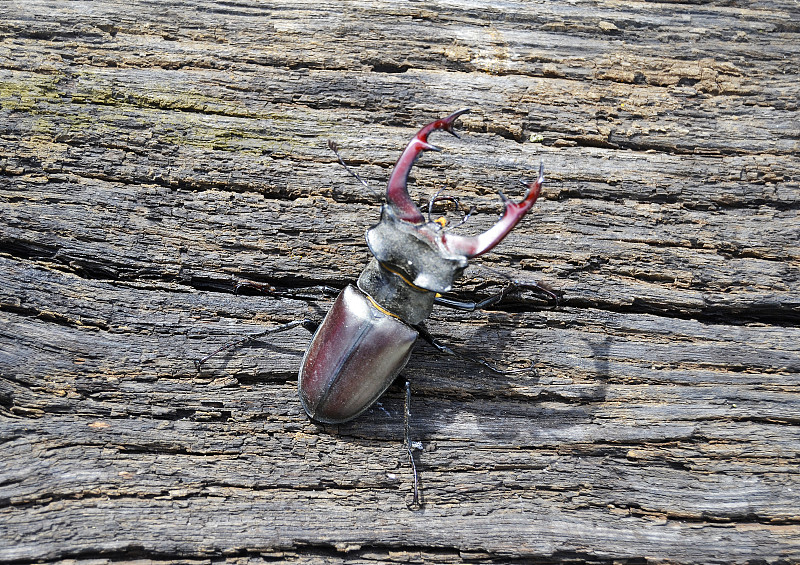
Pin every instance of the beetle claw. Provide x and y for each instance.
(448, 122)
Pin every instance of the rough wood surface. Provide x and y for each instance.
(154, 153)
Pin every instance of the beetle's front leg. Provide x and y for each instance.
(471, 305)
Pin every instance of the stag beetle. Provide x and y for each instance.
(366, 338)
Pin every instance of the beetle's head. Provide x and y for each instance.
(423, 252)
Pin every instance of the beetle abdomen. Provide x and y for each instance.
(353, 358)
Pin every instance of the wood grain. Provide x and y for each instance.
(154, 154)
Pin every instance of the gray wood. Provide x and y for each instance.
(154, 154)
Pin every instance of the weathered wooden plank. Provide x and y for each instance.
(125, 231)
(154, 154)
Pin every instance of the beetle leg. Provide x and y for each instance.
(397, 190)
(542, 288)
(410, 446)
(308, 324)
(266, 288)
(471, 306)
(512, 214)
(442, 348)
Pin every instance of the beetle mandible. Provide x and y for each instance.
(366, 338)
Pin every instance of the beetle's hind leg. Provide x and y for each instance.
(307, 323)
(266, 288)
(442, 348)
(416, 501)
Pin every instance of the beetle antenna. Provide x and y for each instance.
(465, 218)
(459, 209)
(335, 148)
(435, 198)
(410, 446)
